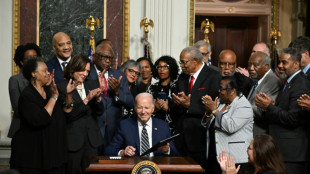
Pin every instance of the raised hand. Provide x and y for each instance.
(222, 160)
(51, 78)
(93, 93)
(72, 86)
(181, 99)
(262, 101)
(304, 102)
(231, 166)
(210, 105)
(53, 88)
(115, 84)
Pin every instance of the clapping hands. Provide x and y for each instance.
(227, 164)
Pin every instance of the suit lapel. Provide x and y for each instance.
(155, 137)
(200, 78)
(136, 132)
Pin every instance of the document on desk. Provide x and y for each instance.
(161, 143)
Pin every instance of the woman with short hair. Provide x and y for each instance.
(39, 146)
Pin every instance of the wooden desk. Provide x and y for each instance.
(166, 164)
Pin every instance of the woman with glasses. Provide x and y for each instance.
(167, 73)
(132, 70)
(229, 123)
(18, 82)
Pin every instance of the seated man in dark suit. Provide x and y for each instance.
(136, 135)
(62, 45)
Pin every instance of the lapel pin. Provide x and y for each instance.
(155, 128)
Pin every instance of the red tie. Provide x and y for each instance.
(105, 90)
(191, 84)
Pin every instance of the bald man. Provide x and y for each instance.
(227, 65)
(227, 62)
(62, 46)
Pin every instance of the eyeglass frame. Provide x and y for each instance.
(104, 57)
(227, 88)
(205, 54)
(165, 67)
(131, 71)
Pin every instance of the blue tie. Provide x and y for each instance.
(254, 87)
(63, 64)
(284, 87)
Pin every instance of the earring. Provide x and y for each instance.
(35, 79)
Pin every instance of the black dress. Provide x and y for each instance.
(41, 141)
(171, 115)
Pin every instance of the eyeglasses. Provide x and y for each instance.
(131, 71)
(104, 57)
(224, 64)
(228, 88)
(185, 62)
(205, 54)
(165, 67)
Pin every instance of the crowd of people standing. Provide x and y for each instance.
(71, 108)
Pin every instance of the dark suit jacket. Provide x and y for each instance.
(53, 63)
(81, 121)
(307, 74)
(17, 84)
(113, 109)
(288, 124)
(128, 135)
(208, 82)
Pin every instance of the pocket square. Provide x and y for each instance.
(201, 88)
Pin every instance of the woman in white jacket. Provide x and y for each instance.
(229, 123)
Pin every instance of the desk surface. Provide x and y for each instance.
(166, 164)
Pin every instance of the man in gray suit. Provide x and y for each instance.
(266, 82)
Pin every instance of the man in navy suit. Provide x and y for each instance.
(129, 139)
(117, 93)
(62, 45)
(288, 123)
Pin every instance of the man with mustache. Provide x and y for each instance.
(196, 80)
(116, 93)
(287, 121)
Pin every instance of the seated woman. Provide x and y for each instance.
(82, 102)
(229, 124)
(17, 83)
(39, 146)
(132, 70)
(167, 72)
(264, 158)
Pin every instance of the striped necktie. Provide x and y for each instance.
(144, 140)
